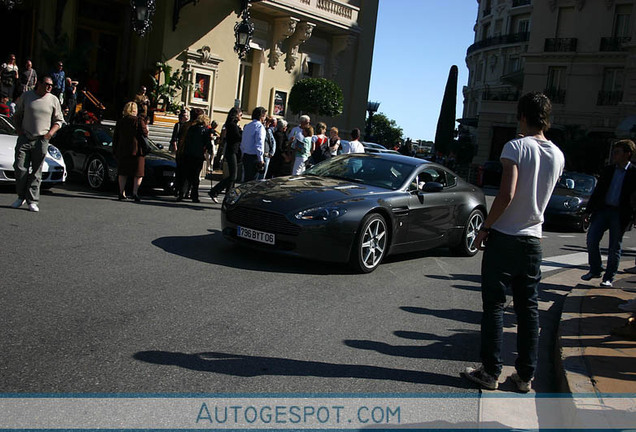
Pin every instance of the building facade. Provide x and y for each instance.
(582, 54)
(293, 39)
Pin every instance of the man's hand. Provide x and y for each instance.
(260, 166)
(480, 240)
(48, 136)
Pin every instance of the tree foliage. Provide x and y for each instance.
(446, 123)
(385, 131)
(173, 84)
(316, 96)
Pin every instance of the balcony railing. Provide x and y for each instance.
(556, 95)
(517, 3)
(560, 45)
(500, 95)
(614, 43)
(499, 40)
(609, 97)
(335, 8)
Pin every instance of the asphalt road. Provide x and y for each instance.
(103, 296)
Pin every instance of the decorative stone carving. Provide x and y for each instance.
(283, 28)
(339, 45)
(301, 35)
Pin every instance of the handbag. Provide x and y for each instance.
(144, 144)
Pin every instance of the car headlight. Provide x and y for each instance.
(320, 213)
(233, 196)
(572, 203)
(54, 152)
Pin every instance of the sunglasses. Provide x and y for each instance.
(48, 84)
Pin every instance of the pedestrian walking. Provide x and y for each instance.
(302, 150)
(28, 78)
(176, 129)
(279, 163)
(38, 116)
(181, 181)
(59, 81)
(252, 145)
(611, 209)
(70, 99)
(9, 75)
(127, 149)
(197, 143)
(269, 147)
(233, 136)
(511, 240)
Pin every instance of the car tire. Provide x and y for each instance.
(371, 243)
(97, 173)
(584, 224)
(467, 246)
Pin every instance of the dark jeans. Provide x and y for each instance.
(228, 181)
(515, 262)
(250, 170)
(192, 169)
(181, 182)
(601, 221)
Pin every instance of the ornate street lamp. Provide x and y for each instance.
(143, 10)
(243, 31)
(10, 4)
(372, 108)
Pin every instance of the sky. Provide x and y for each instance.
(416, 43)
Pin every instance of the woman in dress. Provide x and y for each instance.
(127, 151)
(233, 135)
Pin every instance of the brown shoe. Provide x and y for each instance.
(627, 331)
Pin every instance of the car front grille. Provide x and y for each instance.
(262, 220)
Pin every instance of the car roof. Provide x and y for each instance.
(397, 157)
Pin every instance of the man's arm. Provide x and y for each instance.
(259, 136)
(506, 192)
(57, 119)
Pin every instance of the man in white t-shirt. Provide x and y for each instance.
(353, 146)
(297, 132)
(511, 240)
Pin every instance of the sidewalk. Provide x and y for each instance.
(593, 360)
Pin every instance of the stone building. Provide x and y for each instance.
(293, 39)
(582, 54)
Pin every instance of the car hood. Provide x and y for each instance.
(160, 156)
(287, 194)
(559, 196)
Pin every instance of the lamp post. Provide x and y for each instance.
(372, 108)
(143, 10)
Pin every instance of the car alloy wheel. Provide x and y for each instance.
(371, 243)
(96, 173)
(467, 247)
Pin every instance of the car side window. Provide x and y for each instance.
(80, 136)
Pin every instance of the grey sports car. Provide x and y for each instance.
(357, 208)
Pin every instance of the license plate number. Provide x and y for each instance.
(254, 235)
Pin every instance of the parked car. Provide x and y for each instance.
(88, 151)
(53, 169)
(569, 200)
(376, 148)
(357, 208)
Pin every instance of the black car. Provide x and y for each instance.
(357, 208)
(569, 200)
(88, 151)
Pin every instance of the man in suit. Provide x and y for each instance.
(611, 210)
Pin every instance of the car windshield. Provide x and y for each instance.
(580, 183)
(103, 137)
(373, 171)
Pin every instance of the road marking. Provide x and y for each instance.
(563, 261)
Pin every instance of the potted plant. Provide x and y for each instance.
(164, 95)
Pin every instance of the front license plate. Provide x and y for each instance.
(254, 235)
(168, 173)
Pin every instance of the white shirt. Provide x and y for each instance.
(352, 147)
(253, 139)
(540, 164)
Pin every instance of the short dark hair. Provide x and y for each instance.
(355, 133)
(628, 146)
(258, 113)
(536, 108)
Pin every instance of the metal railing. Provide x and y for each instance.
(499, 40)
(613, 43)
(560, 45)
(609, 97)
(556, 95)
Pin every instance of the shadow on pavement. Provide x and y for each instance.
(253, 366)
(215, 249)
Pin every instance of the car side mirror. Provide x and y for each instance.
(432, 187)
